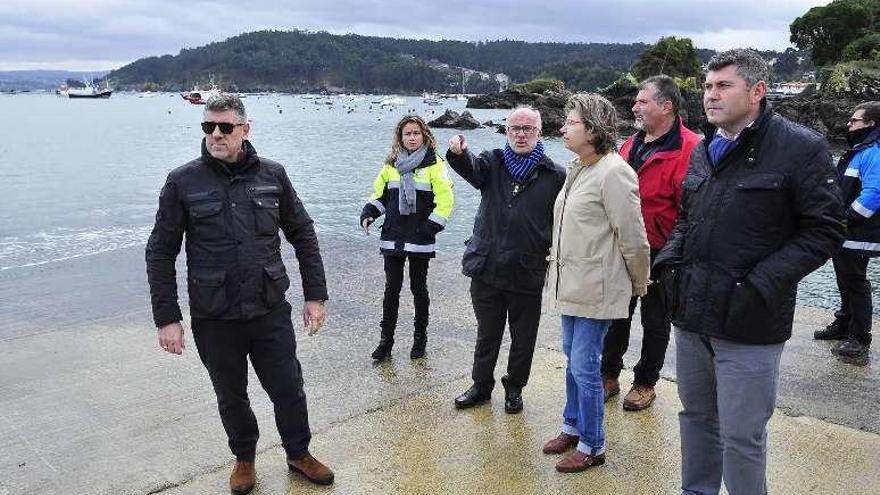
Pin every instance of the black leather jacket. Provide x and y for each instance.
(231, 217)
(513, 226)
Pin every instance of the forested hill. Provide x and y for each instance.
(307, 61)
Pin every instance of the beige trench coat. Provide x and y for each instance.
(600, 255)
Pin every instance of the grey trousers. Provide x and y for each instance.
(728, 393)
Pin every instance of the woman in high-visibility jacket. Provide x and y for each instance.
(414, 192)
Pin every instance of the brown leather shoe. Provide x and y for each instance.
(311, 468)
(243, 477)
(611, 386)
(560, 444)
(577, 461)
(639, 397)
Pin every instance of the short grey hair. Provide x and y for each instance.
(665, 90)
(531, 109)
(749, 65)
(599, 117)
(225, 102)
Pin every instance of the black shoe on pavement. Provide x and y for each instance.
(418, 349)
(383, 350)
(472, 397)
(513, 403)
(851, 349)
(836, 330)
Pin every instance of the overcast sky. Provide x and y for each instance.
(106, 34)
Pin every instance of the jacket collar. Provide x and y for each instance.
(249, 159)
(873, 137)
(757, 126)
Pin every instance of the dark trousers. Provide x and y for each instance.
(418, 284)
(655, 338)
(856, 307)
(224, 346)
(492, 306)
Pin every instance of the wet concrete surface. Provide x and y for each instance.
(88, 404)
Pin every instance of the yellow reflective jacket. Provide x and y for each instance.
(413, 234)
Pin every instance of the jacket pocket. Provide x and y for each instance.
(266, 215)
(748, 314)
(532, 270)
(207, 293)
(473, 262)
(206, 220)
(581, 280)
(275, 284)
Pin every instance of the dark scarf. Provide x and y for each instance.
(521, 166)
(858, 136)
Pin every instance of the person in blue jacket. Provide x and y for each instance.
(859, 171)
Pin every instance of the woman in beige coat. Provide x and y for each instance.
(599, 260)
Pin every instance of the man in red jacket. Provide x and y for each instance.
(659, 154)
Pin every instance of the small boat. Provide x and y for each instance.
(201, 96)
(89, 91)
(431, 99)
(392, 100)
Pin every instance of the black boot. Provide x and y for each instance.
(420, 340)
(386, 342)
(836, 330)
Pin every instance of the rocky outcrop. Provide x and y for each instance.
(453, 120)
(828, 110)
(550, 103)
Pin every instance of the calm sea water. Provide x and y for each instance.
(81, 177)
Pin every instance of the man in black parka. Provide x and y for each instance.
(506, 257)
(760, 210)
(230, 204)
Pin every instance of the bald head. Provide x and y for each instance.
(523, 129)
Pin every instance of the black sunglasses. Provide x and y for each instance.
(225, 127)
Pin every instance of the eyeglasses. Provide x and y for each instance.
(854, 120)
(569, 123)
(225, 127)
(525, 129)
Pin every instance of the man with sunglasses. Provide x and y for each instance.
(859, 176)
(231, 204)
(506, 257)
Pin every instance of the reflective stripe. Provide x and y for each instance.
(437, 219)
(420, 186)
(418, 248)
(378, 204)
(852, 172)
(862, 246)
(412, 248)
(861, 210)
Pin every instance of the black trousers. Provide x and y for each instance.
(418, 283)
(492, 306)
(224, 346)
(655, 338)
(856, 306)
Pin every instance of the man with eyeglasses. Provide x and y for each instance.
(231, 204)
(506, 257)
(859, 176)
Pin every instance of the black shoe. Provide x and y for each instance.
(851, 348)
(383, 350)
(418, 349)
(513, 403)
(474, 396)
(836, 330)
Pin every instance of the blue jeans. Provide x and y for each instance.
(584, 412)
